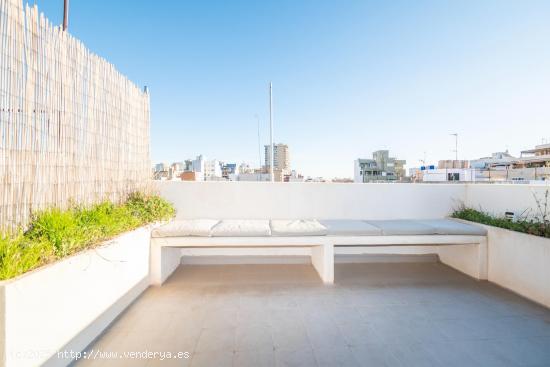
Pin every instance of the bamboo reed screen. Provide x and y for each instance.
(73, 130)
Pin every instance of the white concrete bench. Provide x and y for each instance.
(460, 245)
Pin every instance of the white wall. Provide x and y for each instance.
(499, 198)
(65, 305)
(260, 200)
(343, 200)
(520, 262)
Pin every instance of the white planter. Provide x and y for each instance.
(520, 262)
(66, 305)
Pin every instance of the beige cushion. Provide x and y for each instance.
(403, 227)
(242, 228)
(346, 227)
(298, 227)
(453, 227)
(185, 228)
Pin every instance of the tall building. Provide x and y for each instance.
(198, 166)
(281, 158)
(281, 161)
(380, 168)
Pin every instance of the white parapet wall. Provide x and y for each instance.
(298, 200)
(64, 306)
(263, 200)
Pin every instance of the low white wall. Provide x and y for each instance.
(263, 200)
(520, 262)
(65, 305)
(500, 198)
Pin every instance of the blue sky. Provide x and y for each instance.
(349, 77)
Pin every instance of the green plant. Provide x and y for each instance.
(539, 225)
(149, 208)
(55, 233)
(19, 255)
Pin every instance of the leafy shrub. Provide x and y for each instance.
(55, 233)
(18, 255)
(533, 226)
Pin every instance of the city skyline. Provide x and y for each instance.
(347, 80)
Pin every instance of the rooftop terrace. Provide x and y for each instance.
(376, 314)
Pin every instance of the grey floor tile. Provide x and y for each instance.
(256, 338)
(290, 337)
(172, 362)
(375, 315)
(372, 355)
(254, 359)
(450, 354)
(526, 351)
(411, 355)
(486, 353)
(216, 341)
(224, 358)
(295, 358)
(359, 334)
(337, 356)
(325, 335)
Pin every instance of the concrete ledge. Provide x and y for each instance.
(243, 260)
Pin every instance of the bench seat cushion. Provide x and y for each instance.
(403, 227)
(345, 227)
(186, 228)
(299, 227)
(242, 228)
(453, 227)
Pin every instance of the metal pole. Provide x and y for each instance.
(456, 150)
(271, 160)
(65, 15)
(259, 150)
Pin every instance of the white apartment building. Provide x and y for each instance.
(212, 169)
(244, 168)
(281, 157)
(198, 167)
(496, 160)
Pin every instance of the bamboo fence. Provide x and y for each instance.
(73, 130)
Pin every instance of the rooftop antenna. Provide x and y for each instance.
(259, 144)
(65, 14)
(456, 147)
(423, 160)
(271, 159)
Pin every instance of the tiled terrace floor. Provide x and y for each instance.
(408, 314)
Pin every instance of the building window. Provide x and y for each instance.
(453, 176)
